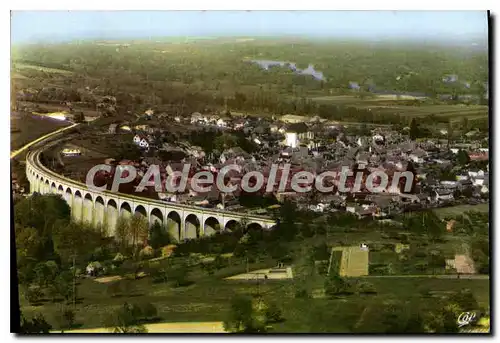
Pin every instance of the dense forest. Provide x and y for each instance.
(194, 76)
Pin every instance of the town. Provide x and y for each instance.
(186, 184)
(446, 172)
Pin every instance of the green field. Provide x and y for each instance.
(385, 105)
(209, 299)
(461, 209)
(21, 66)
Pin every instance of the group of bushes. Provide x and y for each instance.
(415, 260)
(129, 318)
(252, 314)
(335, 285)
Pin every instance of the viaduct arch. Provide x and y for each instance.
(104, 207)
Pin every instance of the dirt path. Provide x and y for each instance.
(180, 327)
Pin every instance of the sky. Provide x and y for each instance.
(34, 26)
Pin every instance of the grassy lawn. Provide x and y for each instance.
(301, 314)
(201, 302)
(208, 300)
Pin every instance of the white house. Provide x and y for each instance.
(478, 181)
(318, 208)
(141, 141)
(443, 195)
(144, 144)
(479, 173)
(378, 138)
(197, 117)
(448, 183)
(296, 132)
(221, 122)
(291, 139)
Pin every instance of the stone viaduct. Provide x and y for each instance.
(105, 207)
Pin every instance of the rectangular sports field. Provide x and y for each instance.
(354, 262)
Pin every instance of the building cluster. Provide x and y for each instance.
(315, 145)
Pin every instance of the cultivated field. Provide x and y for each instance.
(21, 66)
(354, 262)
(27, 127)
(389, 104)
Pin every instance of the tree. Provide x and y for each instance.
(336, 285)
(414, 129)
(321, 252)
(75, 240)
(28, 248)
(66, 318)
(225, 141)
(138, 231)
(287, 227)
(128, 151)
(441, 320)
(131, 231)
(242, 317)
(42, 212)
(465, 300)
(65, 286)
(37, 324)
(126, 319)
(273, 313)
(178, 275)
(433, 224)
(122, 233)
(425, 222)
(159, 236)
(463, 157)
(44, 274)
(33, 294)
